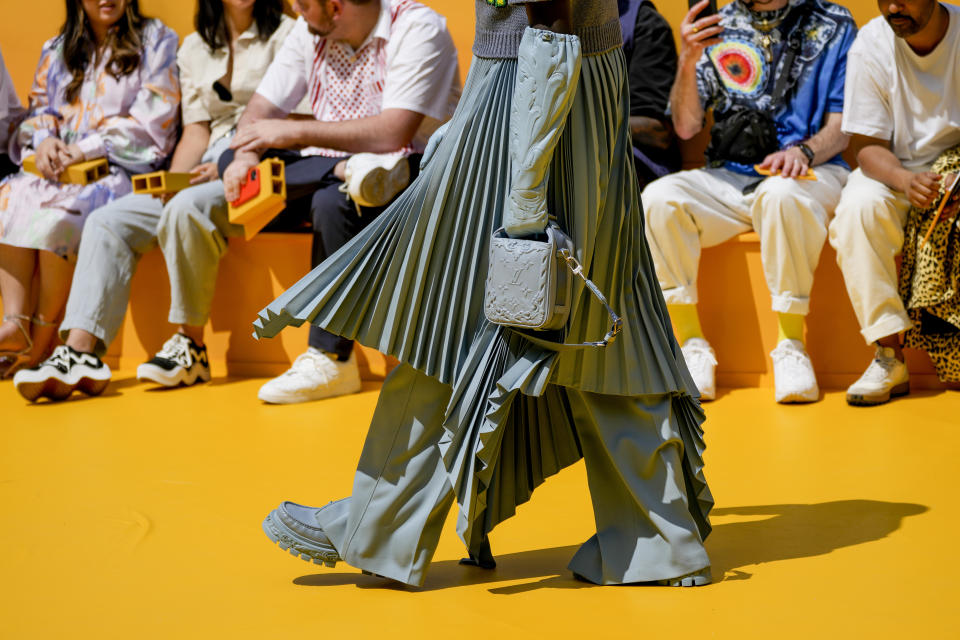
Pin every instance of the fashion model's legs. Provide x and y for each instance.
(633, 454)
(115, 237)
(192, 233)
(391, 523)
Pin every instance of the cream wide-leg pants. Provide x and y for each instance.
(689, 210)
(867, 234)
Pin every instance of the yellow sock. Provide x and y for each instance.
(790, 326)
(686, 321)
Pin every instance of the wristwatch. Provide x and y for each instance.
(807, 151)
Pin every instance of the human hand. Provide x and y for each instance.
(698, 34)
(922, 188)
(433, 143)
(235, 175)
(952, 207)
(71, 154)
(266, 134)
(788, 163)
(49, 156)
(205, 172)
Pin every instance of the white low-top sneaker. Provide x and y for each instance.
(181, 361)
(702, 364)
(314, 375)
(885, 378)
(373, 180)
(64, 372)
(793, 377)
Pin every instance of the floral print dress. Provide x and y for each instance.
(132, 121)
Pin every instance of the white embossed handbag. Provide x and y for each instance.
(529, 285)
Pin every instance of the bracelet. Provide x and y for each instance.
(807, 151)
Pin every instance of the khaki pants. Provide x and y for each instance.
(191, 229)
(867, 234)
(693, 209)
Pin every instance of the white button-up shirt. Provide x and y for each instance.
(200, 68)
(408, 62)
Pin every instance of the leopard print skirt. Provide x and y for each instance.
(930, 278)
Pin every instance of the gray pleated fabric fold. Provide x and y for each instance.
(411, 285)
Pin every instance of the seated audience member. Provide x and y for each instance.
(903, 97)
(218, 65)
(379, 75)
(106, 87)
(11, 112)
(651, 67)
(775, 83)
(930, 272)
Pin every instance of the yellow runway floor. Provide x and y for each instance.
(137, 515)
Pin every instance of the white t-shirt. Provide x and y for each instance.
(10, 110)
(894, 94)
(408, 62)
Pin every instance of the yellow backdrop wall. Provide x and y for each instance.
(25, 27)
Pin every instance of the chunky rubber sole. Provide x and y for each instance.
(861, 400)
(697, 579)
(382, 184)
(182, 377)
(297, 545)
(57, 390)
(296, 398)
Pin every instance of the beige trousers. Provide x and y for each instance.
(867, 234)
(689, 210)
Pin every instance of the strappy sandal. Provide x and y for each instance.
(10, 361)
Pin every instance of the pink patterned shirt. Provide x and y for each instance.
(407, 62)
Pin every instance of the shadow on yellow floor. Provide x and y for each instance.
(785, 532)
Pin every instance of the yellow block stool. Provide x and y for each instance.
(160, 182)
(82, 173)
(262, 197)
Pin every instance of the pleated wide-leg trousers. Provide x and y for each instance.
(391, 523)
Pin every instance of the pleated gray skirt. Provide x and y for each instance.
(411, 285)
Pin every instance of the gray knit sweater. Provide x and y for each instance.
(499, 29)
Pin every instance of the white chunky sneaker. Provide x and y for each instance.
(793, 377)
(314, 375)
(373, 180)
(885, 378)
(65, 371)
(702, 363)
(181, 361)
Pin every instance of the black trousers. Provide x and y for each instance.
(315, 202)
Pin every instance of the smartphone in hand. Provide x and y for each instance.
(707, 12)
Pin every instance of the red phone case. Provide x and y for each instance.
(250, 188)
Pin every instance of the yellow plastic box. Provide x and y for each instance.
(262, 197)
(160, 182)
(82, 173)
